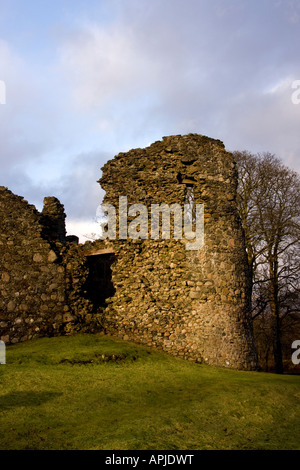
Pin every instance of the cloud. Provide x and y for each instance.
(79, 186)
(266, 121)
(77, 189)
(15, 145)
(39, 135)
(121, 74)
(81, 193)
(174, 63)
(290, 9)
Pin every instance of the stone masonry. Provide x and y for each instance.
(194, 304)
(41, 275)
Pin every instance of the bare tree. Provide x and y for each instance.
(269, 206)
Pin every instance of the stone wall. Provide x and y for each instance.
(194, 304)
(191, 303)
(53, 220)
(41, 278)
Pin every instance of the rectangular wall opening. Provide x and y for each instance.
(99, 285)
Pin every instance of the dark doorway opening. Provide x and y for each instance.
(99, 285)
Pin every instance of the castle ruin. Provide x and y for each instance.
(192, 303)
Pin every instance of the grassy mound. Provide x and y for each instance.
(93, 392)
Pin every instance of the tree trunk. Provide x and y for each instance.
(274, 303)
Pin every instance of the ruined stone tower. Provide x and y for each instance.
(191, 303)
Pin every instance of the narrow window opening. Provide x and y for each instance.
(190, 203)
(179, 178)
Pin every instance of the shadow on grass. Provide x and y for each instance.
(28, 399)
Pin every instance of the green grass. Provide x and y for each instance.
(93, 392)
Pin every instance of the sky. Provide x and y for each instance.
(85, 80)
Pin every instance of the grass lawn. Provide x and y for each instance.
(93, 392)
